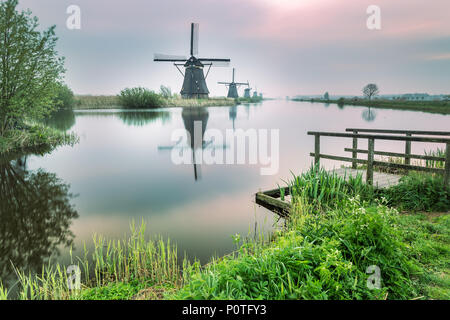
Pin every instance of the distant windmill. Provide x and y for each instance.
(232, 87)
(255, 93)
(194, 85)
(247, 91)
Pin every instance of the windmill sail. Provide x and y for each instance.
(194, 39)
(169, 57)
(194, 84)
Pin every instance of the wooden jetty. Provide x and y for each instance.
(271, 199)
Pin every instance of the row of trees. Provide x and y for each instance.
(31, 71)
(369, 91)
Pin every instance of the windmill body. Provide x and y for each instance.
(247, 92)
(233, 86)
(194, 84)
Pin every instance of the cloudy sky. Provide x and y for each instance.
(283, 47)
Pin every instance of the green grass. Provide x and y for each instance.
(96, 102)
(116, 269)
(138, 98)
(34, 136)
(326, 246)
(419, 192)
(442, 107)
(336, 231)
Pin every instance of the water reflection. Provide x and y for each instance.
(137, 118)
(35, 215)
(233, 114)
(61, 120)
(195, 144)
(369, 115)
(142, 118)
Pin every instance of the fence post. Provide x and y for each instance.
(408, 150)
(316, 149)
(354, 153)
(447, 167)
(370, 155)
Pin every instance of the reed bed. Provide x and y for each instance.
(131, 260)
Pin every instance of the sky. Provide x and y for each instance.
(282, 47)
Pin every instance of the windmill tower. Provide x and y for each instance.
(194, 84)
(232, 87)
(247, 91)
(255, 93)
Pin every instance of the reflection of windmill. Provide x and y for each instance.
(194, 85)
(233, 86)
(190, 117)
(233, 114)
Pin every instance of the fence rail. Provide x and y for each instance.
(380, 134)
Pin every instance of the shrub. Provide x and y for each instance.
(318, 256)
(419, 192)
(139, 98)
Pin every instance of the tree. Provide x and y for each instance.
(370, 91)
(30, 67)
(326, 96)
(64, 99)
(166, 92)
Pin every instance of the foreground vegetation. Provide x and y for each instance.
(31, 81)
(442, 107)
(339, 233)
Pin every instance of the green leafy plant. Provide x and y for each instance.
(139, 98)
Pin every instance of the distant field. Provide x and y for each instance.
(442, 107)
(112, 102)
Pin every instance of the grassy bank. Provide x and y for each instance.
(113, 102)
(338, 235)
(32, 137)
(442, 107)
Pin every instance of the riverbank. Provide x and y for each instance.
(441, 107)
(343, 240)
(113, 102)
(34, 136)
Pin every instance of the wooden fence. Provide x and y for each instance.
(408, 136)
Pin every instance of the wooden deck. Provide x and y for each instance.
(271, 199)
(380, 180)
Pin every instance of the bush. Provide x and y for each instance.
(318, 256)
(419, 192)
(139, 98)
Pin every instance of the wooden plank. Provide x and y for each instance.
(447, 167)
(338, 158)
(398, 155)
(408, 150)
(415, 132)
(355, 147)
(407, 167)
(276, 193)
(379, 137)
(317, 149)
(370, 155)
(281, 207)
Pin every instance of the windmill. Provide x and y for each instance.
(247, 91)
(232, 87)
(255, 93)
(194, 85)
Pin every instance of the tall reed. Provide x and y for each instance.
(134, 258)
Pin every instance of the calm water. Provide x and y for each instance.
(122, 170)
